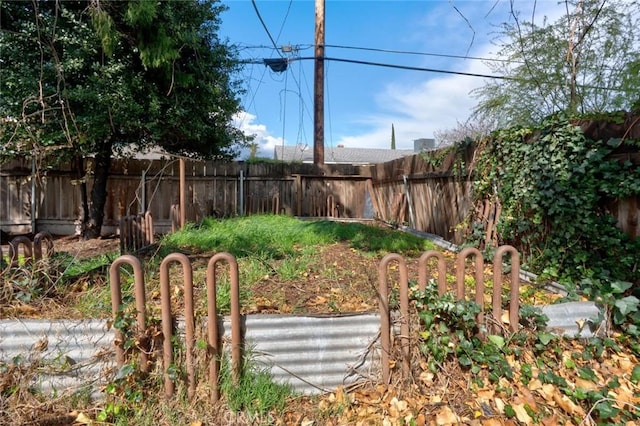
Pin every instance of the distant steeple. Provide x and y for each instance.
(393, 137)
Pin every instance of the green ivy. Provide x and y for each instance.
(553, 183)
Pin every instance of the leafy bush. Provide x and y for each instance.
(554, 184)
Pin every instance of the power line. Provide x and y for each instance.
(408, 52)
(422, 69)
(255, 7)
(285, 19)
(407, 67)
(401, 52)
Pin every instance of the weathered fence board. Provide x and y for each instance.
(432, 195)
(212, 189)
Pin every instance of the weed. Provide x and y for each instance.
(255, 393)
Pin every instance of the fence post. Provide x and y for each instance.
(116, 302)
(385, 325)
(148, 220)
(213, 333)
(167, 325)
(514, 293)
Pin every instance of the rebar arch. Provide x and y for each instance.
(116, 303)
(514, 291)
(385, 323)
(39, 238)
(167, 325)
(14, 246)
(212, 324)
(442, 270)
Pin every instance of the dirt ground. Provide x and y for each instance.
(340, 279)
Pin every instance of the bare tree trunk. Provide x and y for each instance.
(81, 175)
(93, 226)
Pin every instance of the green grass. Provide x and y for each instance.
(277, 237)
(72, 268)
(255, 394)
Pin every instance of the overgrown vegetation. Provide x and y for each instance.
(134, 397)
(278, 236)
(514, 366)
(519, 376)
(553, 184)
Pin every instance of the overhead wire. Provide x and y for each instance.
(301, 105)
(394, 51)
(255, 7)
(286, 15)
(409, 67)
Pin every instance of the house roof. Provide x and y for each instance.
(340, 155)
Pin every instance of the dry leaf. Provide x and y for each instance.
(550, 421)
(567, 405)
(587, 385)
(486, 393)
(83, 419)
(505, 317)
(521, 414)
(527, 398)
(427, 377)
(399, 405)
(447, 417)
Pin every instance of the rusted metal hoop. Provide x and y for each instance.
(212, 326)
(116, 302)
(385, 322)
(442, 270)
(167, 324)
(514, 291)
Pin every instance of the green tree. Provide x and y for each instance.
(585, 62)
(82, 79)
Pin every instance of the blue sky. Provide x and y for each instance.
(363, 101)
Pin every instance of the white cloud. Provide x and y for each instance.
(266, 142)
(418, 110)
(436, 101)
(439, 101)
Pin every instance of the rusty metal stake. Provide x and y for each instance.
(167, 325)
(14, 246)
(39, 238)
(116, 304)
(385, 326)
(212, 325)
(442, 270)
(514, 293)
(479, 279)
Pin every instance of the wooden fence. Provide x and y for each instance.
(50, 200)
(432, 195)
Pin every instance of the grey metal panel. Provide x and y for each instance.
(71, 355)
(572, 318)
(313, 354)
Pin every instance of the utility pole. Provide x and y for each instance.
(318, 104)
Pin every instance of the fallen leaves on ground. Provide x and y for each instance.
(564, 385)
